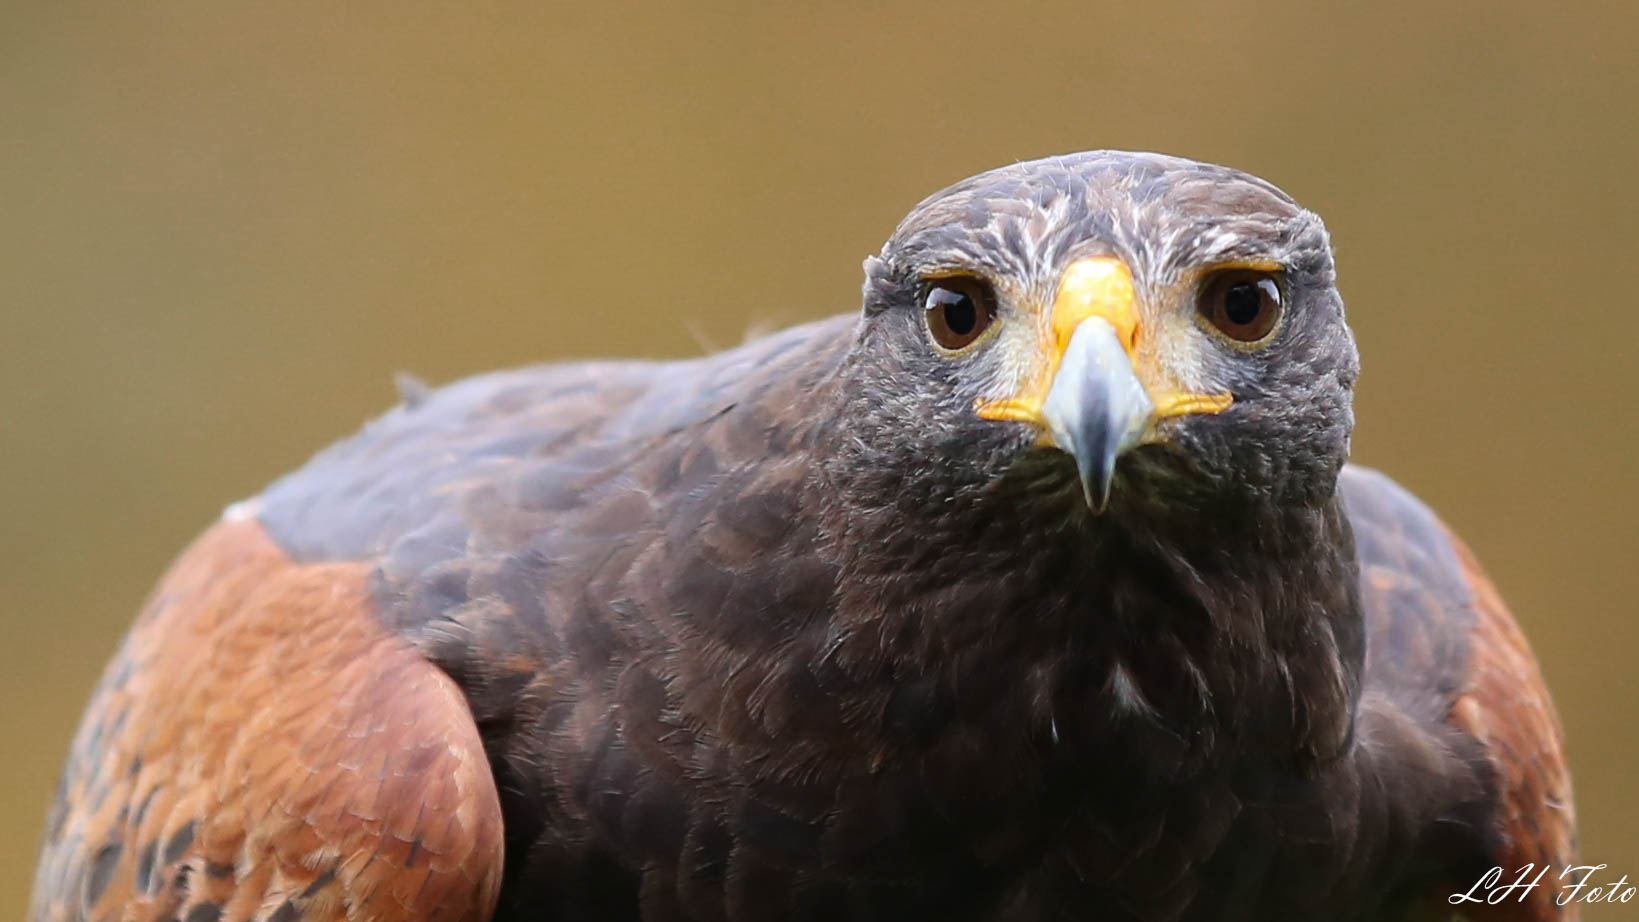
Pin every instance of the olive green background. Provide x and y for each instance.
(224, 226)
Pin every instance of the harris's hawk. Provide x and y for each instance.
(1038, 589)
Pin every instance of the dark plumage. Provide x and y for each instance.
(845, 624)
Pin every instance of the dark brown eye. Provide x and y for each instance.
(1243, 304)
(957, 311)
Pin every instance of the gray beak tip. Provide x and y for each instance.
(1095, 480)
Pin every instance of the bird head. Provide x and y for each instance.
(1149, 329)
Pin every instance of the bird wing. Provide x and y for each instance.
(1504, 705)
(564, 424)
(277, 738)
(1444, 648)
(262, 748)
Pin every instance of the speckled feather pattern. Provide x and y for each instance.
(787, 633)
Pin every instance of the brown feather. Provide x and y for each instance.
(262, 748)
(1506, 707)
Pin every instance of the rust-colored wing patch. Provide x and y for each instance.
(261, 748)
(1506, 707)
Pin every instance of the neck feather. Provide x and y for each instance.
(1236, 633)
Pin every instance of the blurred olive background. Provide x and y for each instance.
(224, 226)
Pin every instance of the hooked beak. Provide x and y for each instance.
(1097, 408)
(1089, 397)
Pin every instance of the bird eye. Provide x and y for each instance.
(1243, 304)
(957, 310)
